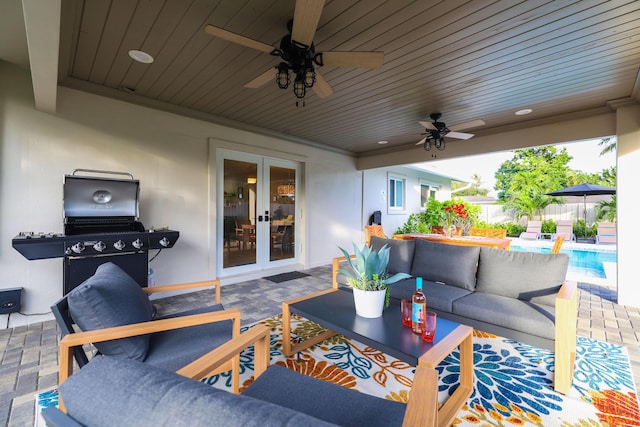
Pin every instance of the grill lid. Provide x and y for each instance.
(98, 198)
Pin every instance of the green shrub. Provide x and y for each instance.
(549, 226)
(435, 214)
(484, 224)
(514, 229)
(580, 229)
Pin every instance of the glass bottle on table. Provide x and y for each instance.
(419, 307)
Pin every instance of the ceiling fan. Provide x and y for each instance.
(298, 54)
(436, 131)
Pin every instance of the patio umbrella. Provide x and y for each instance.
(583, 190)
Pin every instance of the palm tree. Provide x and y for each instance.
(607, 210)
(608, 145)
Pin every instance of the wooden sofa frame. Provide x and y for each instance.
(565, 329)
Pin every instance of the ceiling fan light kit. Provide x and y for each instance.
(298, 55)
(436, 131)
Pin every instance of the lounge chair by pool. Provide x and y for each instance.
(534, 231)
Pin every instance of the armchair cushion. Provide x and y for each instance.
(527, 276)
(112, 298)
(324, 400)
(449, 264)
(112, 391)
(175, 348)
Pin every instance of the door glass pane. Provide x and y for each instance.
(282, 197)
(240, 204)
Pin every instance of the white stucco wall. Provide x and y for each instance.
(628, 131)
(170, 155)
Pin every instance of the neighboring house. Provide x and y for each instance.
(416, 184)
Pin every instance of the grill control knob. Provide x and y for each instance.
(137, 243)
(164, 242)
(78, 248)
(99, 246)
(119, 245)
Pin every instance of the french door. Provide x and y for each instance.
(257, 211)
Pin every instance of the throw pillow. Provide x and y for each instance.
(453, 265)
(400, 253)
(527, 276)
(112, 298)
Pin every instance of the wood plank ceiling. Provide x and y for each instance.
(469, 60)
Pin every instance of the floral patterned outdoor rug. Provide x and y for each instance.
(513, 381)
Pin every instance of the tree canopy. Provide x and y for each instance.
(523, 181)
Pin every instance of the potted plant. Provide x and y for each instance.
(369, 279)
(457, 217)
(583, 232)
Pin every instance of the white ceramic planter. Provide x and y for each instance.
(369, 303)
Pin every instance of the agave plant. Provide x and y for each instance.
(369, 269)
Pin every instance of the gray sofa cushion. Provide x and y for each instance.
(400, 253)
(113, 391)
(439, 296)
(403, 288)
(450, 264)
(173, 349)
(324, 400)
(533, 319)
(528, 276)
(112, 298)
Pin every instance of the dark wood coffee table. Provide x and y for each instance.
(334, 309)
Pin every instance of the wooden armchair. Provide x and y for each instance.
(557, 245)
(374, 230)
(500, 233)
(112, 298)
(272, 391)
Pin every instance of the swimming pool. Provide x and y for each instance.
(583, 262)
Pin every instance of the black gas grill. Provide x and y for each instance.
(100, 225)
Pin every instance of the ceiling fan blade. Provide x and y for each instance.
(422, 141)
(321, 87)
(428, 125)
(353, 59)
(305, 20)
(459, 135)
(262, 79)
(237, 38)
(468, 125)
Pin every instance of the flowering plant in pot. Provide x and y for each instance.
(369, 275)
(457, 217)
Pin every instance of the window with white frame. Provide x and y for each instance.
(397, 187)
(427, 191)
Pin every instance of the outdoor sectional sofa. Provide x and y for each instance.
(517, 295)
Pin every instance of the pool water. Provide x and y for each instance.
(587, 263)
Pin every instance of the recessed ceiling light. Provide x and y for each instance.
(524, 112)
(383, 142)
(140, 56)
